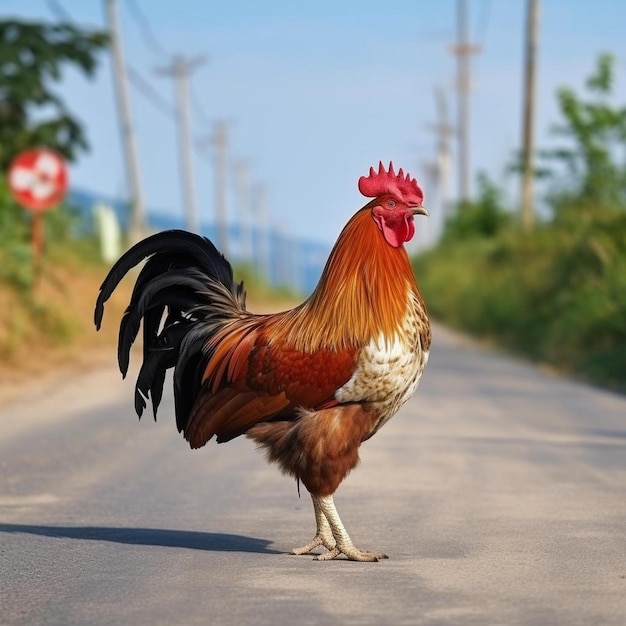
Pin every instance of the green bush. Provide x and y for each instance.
(16, 262)
(558, 295)
(485, 217)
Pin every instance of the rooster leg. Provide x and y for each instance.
(323, 537)
(344, 543)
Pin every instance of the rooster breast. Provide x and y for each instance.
(389, 368)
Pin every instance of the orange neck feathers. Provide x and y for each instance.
(363, 292)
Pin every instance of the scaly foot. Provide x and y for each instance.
(344, 544)
(323, 537)
(318, 540)
(352, 553)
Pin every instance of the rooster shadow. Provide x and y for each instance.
(167, 538)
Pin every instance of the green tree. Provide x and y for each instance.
(484, 217)
(593, 156)
(557, 294)
(32, 56)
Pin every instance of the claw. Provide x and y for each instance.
(318, 540)
(344, 545)
(333, 536)
(352, 553)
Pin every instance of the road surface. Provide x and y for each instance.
(498, 491)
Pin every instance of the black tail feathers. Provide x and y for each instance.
(190, 280)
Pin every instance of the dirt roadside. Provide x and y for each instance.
(36, 364)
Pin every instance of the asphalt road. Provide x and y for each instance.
(499, 493)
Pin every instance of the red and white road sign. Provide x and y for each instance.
(38, 178)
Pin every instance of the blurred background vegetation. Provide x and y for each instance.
(556, 293)
(53, 308)
(39, 310)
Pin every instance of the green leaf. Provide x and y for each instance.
(33, 56)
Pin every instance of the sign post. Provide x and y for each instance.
(38, 181)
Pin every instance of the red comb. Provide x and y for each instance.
(382, 182)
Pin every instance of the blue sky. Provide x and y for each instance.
(316, 92)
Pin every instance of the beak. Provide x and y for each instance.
(420, 210)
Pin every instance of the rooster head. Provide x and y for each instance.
(398, 200)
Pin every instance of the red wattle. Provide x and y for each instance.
(396, 232)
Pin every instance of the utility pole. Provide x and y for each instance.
(262, 244)
(220, 152)
(463, 49)
(136, 225)
(528, 129)
(444, 130)
(281, 241)
(180, 69)
(242, 186)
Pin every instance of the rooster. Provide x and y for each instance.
(308, 385)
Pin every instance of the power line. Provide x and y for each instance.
(243, 189)
(444, 131)
(199, 110)
(463, 49)
(126, 128)
(149, 92)
(179, 69)
(261, 238)
(152, 42)
(219, 141)
(145, 28)
(142, 84)
(139, 82)
(59, 11)
(484, 18)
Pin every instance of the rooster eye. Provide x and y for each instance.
(390, 204)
